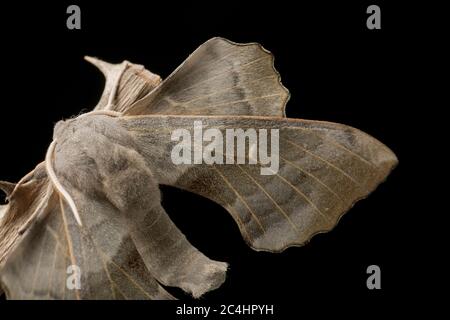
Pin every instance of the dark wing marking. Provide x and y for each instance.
(221, 77)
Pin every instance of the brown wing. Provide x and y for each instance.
(24, 201)
(324, 168)
(220, 78)
(125, 84)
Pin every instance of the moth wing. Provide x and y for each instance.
(58, 259)
(220, 78)
(15, 213)
(125, 84)
(324, 168)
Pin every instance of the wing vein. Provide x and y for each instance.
(131, 279)
(225, 90)
(337, 144)
(303, 195)
(324, 160)
(270, 197)
(33, 284)
(52, 270)
(66, 255)
(103, 258)
(255, 217)
(314, 177)
(220, 73)
(235, 214)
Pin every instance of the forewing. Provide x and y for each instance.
(324, 168)
(220, 78)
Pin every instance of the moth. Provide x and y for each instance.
(94, 203)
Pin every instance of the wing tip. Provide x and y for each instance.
(388, 163)
(281, 247)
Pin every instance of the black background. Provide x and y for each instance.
(336, 70)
